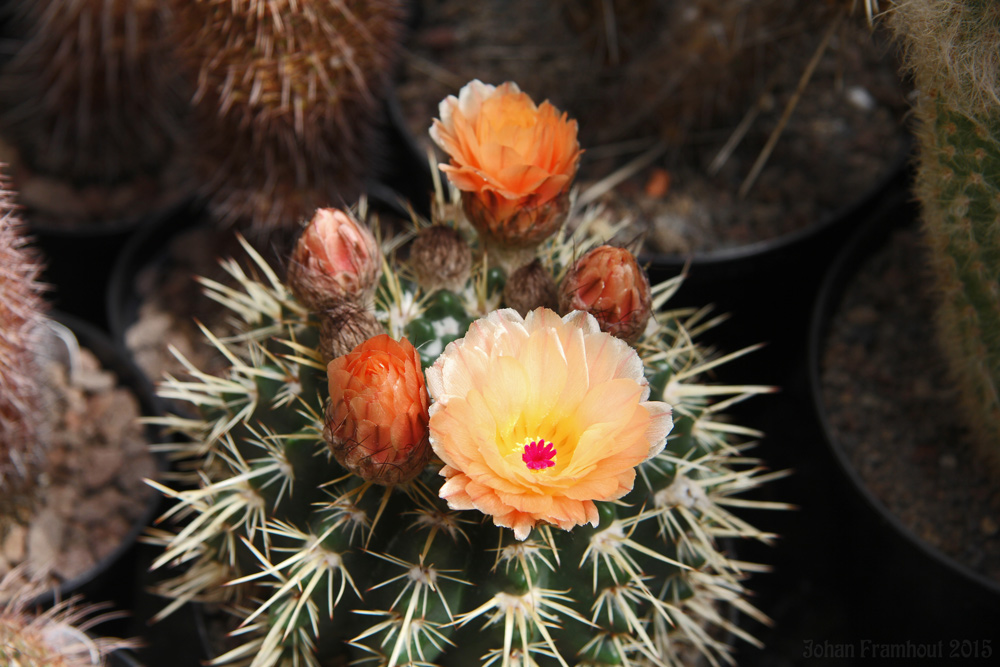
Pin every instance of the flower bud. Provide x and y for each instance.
(441, 258)
(335, 260)
(513, 161)
(344, 327)
(376, 421)
(530, 287)
(608, 283)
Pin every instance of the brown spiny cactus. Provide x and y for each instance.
(288, 100)
(20, 316)
(89, 94)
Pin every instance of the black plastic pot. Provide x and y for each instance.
(104, 581)
(763, 265)
(905, 589)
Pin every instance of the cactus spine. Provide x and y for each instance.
(953, 50)
(288, 100)
(21, 312)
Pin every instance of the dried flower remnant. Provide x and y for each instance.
(376, 421)
(512, 160)
(538, 417)
(336, 259)
(608, 283)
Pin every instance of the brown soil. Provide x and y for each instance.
(893, 409)
(683, 77)
(92, 492)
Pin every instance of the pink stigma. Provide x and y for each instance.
(538, 455)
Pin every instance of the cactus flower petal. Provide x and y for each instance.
(538, 417)
(513, 160)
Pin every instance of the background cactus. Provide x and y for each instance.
(953, 51)
(289, 97)
(56, 637)
(22, 450)
(89, 100)
(316, 562)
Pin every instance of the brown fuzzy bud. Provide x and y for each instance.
(531, 287)
(343, 328)
(441, 258)
(608, 283)
(335, 260)
(376, 421)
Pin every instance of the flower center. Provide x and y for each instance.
(539, 454)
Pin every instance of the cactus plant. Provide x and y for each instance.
(90, 102)
(56, 637)
(952, 50)
(21, 313)
(288, 100)
(570, 528)
(72, 453)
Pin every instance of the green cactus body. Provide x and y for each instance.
(952, 49)
(288, 100)
(317, 563)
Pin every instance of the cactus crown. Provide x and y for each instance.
(21, 312)
(398, 568)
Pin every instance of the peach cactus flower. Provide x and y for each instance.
(376, 421)
(536, 418)
(512, 160)
(608, 283)
(336, 259)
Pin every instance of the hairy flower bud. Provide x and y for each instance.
(344, 327)
(440, 258)
(512, 160)
(608, 283)
(376, 421)
(530, 287)
(335, 260)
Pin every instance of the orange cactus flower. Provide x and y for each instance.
(608, 283)
(536, 418)
(336, 259)
(376, 421)
(512, 160)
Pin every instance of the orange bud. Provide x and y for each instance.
(608, 283)
(512, 160)
(376, 421)
(336, 259)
